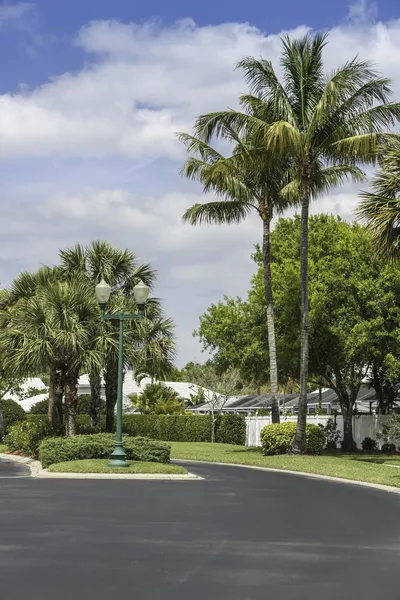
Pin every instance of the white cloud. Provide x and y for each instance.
(139, 85)
(13, 12)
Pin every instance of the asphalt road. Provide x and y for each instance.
(238, 535)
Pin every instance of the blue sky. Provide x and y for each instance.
(91, 94)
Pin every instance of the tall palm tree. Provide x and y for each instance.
(51, 330)
(379, 209)
(324, 125)
(120, 269)
(250, 180)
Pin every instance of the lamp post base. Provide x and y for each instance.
(118, 457)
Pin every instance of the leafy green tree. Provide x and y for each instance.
(233, 331)
(324, 126)
(102, 260)
(354, 306)
(379, 209)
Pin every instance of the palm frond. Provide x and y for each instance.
(382, 217)
(265, 87)
(228, 212)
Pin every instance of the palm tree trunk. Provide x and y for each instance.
(1, 423)
(299, 441)
(273, 365)
(54, 414)
(95, 397)
(71, 401)
(111, 387)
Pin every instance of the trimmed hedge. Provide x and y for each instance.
(101, 445)
(277, 438)
(229, 429)
(12, 413)
(26, 436)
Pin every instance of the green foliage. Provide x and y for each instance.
(12, 413)
(277, 438)
(390, 431)
(231, 429)
(40, 408)
(235, 332)
(380, 208)
(83, 425)
(83, 407)
(84, 402)
(158, 399)
(37, 418)
(388, 448)
(101, 445)
(186, 428)
(369, 445)
(25, 437)
(332, 434)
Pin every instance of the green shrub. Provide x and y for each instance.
(40, 408)
(388, 448)
(39, 418)
(369, 445)
(25, 437)
(101, 445)
(230, 429)
(84, 427)
(277, 438)
(12, 413)
(84, 402)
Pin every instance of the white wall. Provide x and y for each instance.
(363, 426)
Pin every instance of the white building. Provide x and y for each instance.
(185, 390)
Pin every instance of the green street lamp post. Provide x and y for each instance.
(141, 293)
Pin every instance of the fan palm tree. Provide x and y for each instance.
(324, 125)
(51, 330)
(102, 260)
(248, 181)
(158, 399)
(155, 348)
(24, 287)
(379, 209)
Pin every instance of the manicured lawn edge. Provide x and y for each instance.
(376, 469)
(101, 466)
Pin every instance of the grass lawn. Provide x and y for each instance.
(3, 448)
(101, 466)
(362, 467)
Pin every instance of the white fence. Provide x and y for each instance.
(363, 426)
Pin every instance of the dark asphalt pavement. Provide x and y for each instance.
(238, 535)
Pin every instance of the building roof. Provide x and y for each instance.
(27, 403)
(184, 389)
(31, 382)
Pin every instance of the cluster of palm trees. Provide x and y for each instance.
(51, 324)
(293, 140)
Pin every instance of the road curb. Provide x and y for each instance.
(377, 486)
(39, 473)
